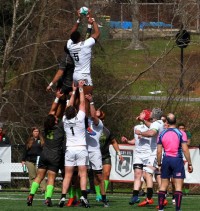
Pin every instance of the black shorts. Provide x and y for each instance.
(51, 161)
(106, 160)
(64, 88)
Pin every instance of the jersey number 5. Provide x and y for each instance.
(76, 58)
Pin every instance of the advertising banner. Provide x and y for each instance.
(123, 172)
(5, 164)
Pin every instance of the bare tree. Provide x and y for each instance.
(135, 42)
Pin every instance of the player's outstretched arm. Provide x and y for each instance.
(57, 76)
(55, 103)
(96, 33)
(92, 109)
(125, 140)
(82, 96)
(76, 25)
(72, 98)
(116, 147)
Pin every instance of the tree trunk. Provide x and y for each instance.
(35, 51)
(135, 44)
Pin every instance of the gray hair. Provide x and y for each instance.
(156, 113)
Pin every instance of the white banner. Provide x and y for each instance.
(5, 164)
(123, 172)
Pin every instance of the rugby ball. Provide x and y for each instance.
(84, 10)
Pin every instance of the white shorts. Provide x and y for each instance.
(95, 160)
(153, 159)
(86, 77)
(76, 157)
(141, 158)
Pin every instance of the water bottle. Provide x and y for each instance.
(24, 168)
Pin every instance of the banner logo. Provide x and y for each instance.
(124, 168)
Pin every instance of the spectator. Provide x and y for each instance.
(32, 151)
(182, 127)
(4, 140)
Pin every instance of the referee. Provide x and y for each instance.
(174, 142)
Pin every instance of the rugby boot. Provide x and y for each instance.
(48, 202)
(61, 202)
(30, 200)
(84, 202)
(146, 202)
(134, 200)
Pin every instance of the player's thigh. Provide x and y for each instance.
(95, 160)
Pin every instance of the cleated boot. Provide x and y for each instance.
(61, 202)
(134, 200)
(30, 200)
(84, 202)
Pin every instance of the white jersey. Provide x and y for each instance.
(75, 130)
(142, 145)
(81, 53)
(93, 141)
(158, 125)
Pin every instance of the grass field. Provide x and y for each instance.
(17, 201)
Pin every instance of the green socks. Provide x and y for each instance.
(78, 193)
(49, 191)
(106, 183)
(71, 192)
(97, 189)
(34, 188)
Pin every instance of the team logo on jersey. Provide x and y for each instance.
(124, 168)
(50, 135)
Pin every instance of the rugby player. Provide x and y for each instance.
(155, 128)
(142, 153)
(50, 159)
(76, 152)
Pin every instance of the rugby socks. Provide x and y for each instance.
(34, 188)
(72, 192)
(135, 193)
(161, 198)
(178, 198)
(84, 193)
(49, 192)
(63, 196)
(149, 193)
(106, 183)
(78, 193)
(97, 190)
(104, 198)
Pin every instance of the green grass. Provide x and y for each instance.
(17, 201)
(124, 64)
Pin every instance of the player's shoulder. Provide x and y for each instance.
(138, 127)
(81, 114)
(89, 41)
